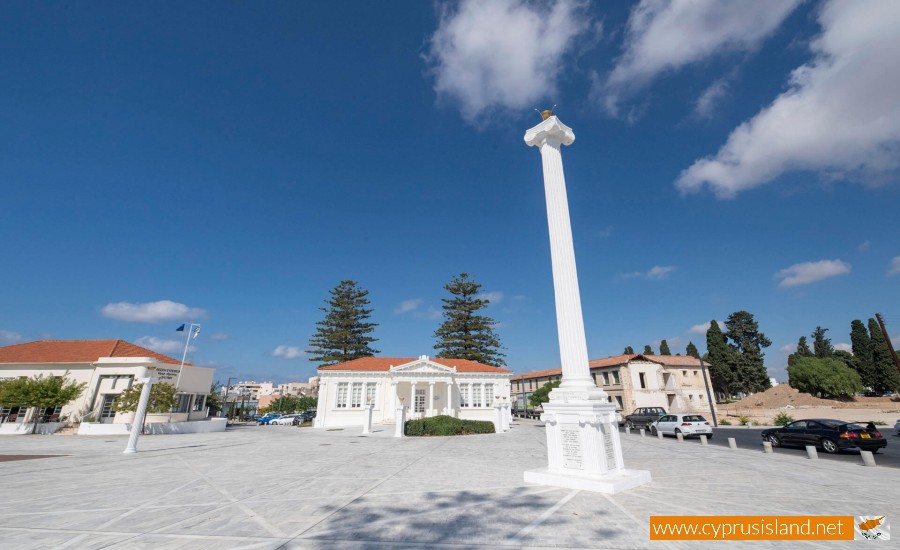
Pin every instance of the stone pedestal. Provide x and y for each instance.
(400, 417)
(583, 446)
(367, 427)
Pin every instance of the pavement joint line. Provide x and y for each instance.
(124, 515)
(542, 518)
(367, 491)
(644, 526)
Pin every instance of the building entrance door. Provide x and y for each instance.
(107, 412)
(420, 401)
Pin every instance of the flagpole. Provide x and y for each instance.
(190, 333)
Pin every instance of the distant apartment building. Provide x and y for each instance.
(673, 382)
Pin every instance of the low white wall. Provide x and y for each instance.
(15, 428)
(197, 426)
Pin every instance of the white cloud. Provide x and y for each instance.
(494, 297)
(864, 246)
(161, 345)
(840, 116)
(710, 97)
(502, 53)
(655, 273)
(895, 266)
(843, 347)
(703, 327)
(788, 348)
(219, 336)
(288, 352)
(810, 272)
(10, 337)
(151, 312)
(408, 305)
(431, 313)
(666, 35)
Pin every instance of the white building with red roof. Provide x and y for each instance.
(108, 367)
(425, 386)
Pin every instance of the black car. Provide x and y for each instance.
(830, 435)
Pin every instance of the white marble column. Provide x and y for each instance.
(430, 407)
(412, 400)
(450, 399)
(578, 415)
(141, 412)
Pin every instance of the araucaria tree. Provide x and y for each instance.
(344, 333)
(465, 334)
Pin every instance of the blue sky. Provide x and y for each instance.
(229, 163)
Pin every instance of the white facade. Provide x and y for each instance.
(424, 386)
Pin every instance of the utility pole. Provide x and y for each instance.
(888, 339)
(709, 397)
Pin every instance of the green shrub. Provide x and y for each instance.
(782, 419)
(447, 425)
(724, 423)
(743, 420)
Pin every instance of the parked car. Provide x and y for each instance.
(897, 427)
(284, 420)
(267, 418)
(682, 423)
(830, 435)
(642, 417)
(307, 416)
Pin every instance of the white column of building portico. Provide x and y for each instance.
(393, 404)
(412, 399)
(582, 447)
(430, 407)
(450, 398)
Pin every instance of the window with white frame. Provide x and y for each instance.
(476, 395)
(199, 402)
(356, 395)
(463, 395)
(488, 395)
(341, 396)
(370, 393)
(615, 374)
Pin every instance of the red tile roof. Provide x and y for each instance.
(76, 351)
(385, 363)
(666, 360)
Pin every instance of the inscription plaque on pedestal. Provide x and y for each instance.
(571, 447)
(610, 451)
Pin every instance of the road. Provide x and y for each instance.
(750, 438)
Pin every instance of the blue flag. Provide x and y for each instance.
(180, 329)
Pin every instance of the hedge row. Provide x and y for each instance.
(447, 425)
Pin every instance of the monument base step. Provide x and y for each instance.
(610, 484)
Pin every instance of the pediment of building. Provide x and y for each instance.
(423, 366)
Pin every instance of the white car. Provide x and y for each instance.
(897, 427)
(687, 424)
(286, 420)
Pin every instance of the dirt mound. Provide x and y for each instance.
(783, 395)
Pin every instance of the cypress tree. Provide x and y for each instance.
(648, 350)
(721, 361)
(822, 346)
(343, 334)
(464, 334)
(862, 351)
(802, 351)
(692, 350)
(628, 350)
(747, 341)
(664, 348)
(884, 373)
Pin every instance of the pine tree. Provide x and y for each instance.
(721, 360)
(464, 334)
(802, 351)
(628, 350)
(343, 334)
(748, 342)
(692, 351)
(862, 351)
(884, 373)
(664, 348)
(822, 346)
(648, 350)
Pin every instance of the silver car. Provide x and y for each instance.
(682, 423)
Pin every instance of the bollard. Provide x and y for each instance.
(732, 443)
(749, 424)
(811, 452)
(627, 430)
(703, 440)
(767, 447)
(680, 437)
(643, 432)
(659, 434)
(868, 458)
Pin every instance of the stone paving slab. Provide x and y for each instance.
(295, 488)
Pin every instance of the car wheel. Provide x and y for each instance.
(708, 436)
(829, 446)
(773, 439)
(677, 431)
(875, 451)
(653, 430)
(629, 425)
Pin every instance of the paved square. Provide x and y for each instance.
(284, 487)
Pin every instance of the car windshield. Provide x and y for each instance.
(693, 418)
